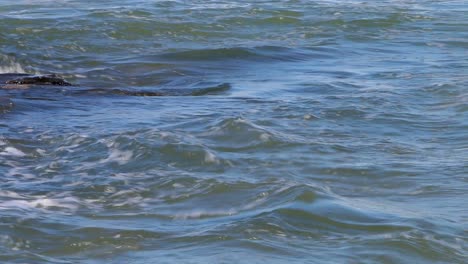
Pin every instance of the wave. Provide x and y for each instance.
(254, 54)
(139, 187)
(238, 133)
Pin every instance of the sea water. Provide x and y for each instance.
(340, 136)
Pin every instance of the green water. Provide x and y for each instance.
(288, 132)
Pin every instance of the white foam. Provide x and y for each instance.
(10, 194)
(178, 185)
(119, 156)
(45, 203)
(211, 158)
(309, 117)
(196, 214)
(14, 243)
(13, 68)
(11, 151)
(41, 151)
(9, 65)
(265, 137)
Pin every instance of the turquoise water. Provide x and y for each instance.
(289, 132)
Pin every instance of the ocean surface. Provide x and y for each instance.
(286, 132)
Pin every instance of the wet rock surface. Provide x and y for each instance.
(50, 79)
(10, 79)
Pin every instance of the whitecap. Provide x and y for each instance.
(9, 65)
(9, 194)
(197, 214)
(211, 158)
(12, 68)
(119, 156)
(265, 137)
(11, 151)
(69, 203)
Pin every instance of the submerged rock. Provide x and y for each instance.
(211, 90)
(21, 81)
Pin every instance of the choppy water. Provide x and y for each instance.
(325, 132)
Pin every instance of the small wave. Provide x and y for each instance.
(182, 155)
(285, 209)
(246, 199)
(218, 6)
(255, 54)
(212, 54)
(303, 211)
(236, 133)
(280, 20)
(137, 151)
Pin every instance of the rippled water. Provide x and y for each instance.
(291, 131)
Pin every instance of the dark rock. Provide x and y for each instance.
(50, 79)
(121, 92)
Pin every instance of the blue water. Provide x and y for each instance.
(235, 132)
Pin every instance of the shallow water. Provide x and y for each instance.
(339, 133)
